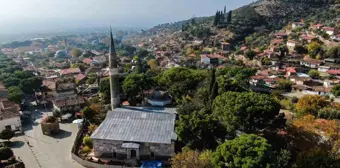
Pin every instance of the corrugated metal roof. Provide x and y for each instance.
(138, 124)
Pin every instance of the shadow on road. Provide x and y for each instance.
(62, 134)
(16, 144)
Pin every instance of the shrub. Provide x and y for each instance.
(86, 150)
(5, 153)
(50, 119)
(88, 142)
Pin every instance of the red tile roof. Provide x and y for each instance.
(334, 72)
(49, 84)
(312, 61)
(70, 71)
(79, 77)
(87, 61)
(281, 34)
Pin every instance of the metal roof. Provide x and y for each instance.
(138, 124)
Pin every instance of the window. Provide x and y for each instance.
(114, 154)
(152, 155)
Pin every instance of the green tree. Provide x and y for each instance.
(6, 153)
(30, 85)
(7, 134)
(333, 52)
(75, 52)
(104, 89)
(11, 81)
(88, 113)
(314, 48)
(15, 94)
(336, 90)
(181, 81)
(246, 151)
(197, 128)
(229, 16)
(314, 74)
(284, 85)
(245, 111)
(134, 85)
(250, 54)
(234, 79)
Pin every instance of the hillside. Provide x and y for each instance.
(264, 14)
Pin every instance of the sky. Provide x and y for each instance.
(21, 16)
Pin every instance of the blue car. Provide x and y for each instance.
(152, 164)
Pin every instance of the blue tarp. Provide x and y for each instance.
(152, 164)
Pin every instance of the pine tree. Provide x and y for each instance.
(229, 16)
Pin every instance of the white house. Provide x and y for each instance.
(10, 116)
(336, 37)
(297, 25)
(329, 30)
(205, 59)
(291, 43)
(323, 68)
(311, 63)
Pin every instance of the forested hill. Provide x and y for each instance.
(270, 14)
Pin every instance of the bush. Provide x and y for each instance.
(5, 153)
(88, 142)
(86, 150)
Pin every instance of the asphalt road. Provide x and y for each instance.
(45, 151)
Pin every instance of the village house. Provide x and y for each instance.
(291, 44)
(212, 58)
(225, 46)
(298, 25)
(10, 116)
(336, 37)
(264, 81)
(48, 88)
(310, 62)
(281, 35)
(88, 61)
(316, 26)
(66, 99)
(330, 30)
(70, 72)
(141, 133)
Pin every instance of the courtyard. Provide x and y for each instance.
(45, 151)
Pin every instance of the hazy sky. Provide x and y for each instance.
(41, 15)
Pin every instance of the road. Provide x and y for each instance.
(45, 151)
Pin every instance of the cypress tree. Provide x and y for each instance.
(229, 16)
(225, 9)
(214, 92)
(217, 18)
(212, 80)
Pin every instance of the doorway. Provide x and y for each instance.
(133, 154)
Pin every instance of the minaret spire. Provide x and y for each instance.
(114, 75)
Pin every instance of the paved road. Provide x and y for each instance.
(45, 151)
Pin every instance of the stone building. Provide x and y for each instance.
(140, 133)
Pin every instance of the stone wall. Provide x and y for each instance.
(86, 163)
(105, 148)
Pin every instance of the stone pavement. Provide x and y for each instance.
(45, 151)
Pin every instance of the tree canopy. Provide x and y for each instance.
(7, 134)
(246, 151)
(245, 111)
(310, 104)
(15, 94)
(6, 153)
(181, 81)
(75, 52)
(133, 86)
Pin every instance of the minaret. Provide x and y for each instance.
(114, 76)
